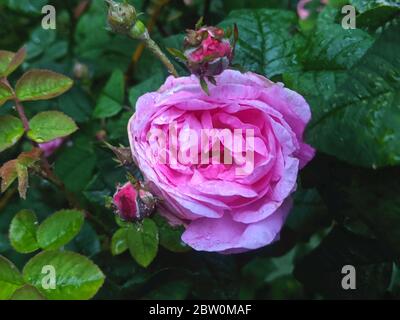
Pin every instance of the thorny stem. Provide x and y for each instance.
(21, 113)
(46, 171)
(153, 47)
(150, 25)
(122, 19)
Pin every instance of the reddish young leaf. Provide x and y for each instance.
(17, 60)
(29, 158)
(23, 183)
(8, 174)
(18, 168)
(5, 59)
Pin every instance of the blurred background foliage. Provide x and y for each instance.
(347, 208)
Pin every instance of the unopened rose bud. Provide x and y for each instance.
(123, 154)
(208, 51)
(121, 16)
(101, 135)
(81, 71)
(304, 12)
(133, 203)
(50, 147)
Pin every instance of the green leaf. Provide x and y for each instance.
(331, 51)
(11, 130)
(153, 83)
(238, 4)
(76, 104)
(44, 48)
(119, 242)
(143, 242)
(268, 41)
(77, 278)
(375, 13)
(204, 86)
(365, 5)
(42, 85)
(375, 201)
(116, 127)
(170, 237)
(362, 195)
(361, 123)
(5, 93)
(199, 23)
(22, 232)
(76, 164)
(50, 125)
(262, 271)
(321, 270)
(177, 54)
(87, 241)
(309, 213)
(27, 292)
(174, 41)
(27, 6)
(112, 97)
(176, 290)
(5, 59)
(10, 278)
(105, 52)
(59, 229)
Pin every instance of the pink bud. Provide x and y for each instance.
(301, 10)
(305, 13)
(208, 51)
(50, 147)
(133, 203)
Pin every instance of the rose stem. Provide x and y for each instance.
(135, 29)
(46, 172)
(150, 25)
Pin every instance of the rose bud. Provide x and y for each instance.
(80, 71)
(121, 16)
(304, 12)
(123, 154)
(50, 147)
(208, 51)
(133, 203)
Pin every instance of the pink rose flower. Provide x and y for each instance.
(304, 13)
(133, 203)
(50, 147)
(226, 207)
